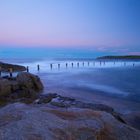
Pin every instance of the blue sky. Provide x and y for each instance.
(100, 25)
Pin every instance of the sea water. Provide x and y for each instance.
(120, 79)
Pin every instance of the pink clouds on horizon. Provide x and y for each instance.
(99, 44)
(134, 53)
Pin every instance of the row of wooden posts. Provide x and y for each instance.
(72, 65)
(66, 65)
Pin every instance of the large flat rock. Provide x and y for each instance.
(43, 122)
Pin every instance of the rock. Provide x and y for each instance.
(66, 102)
(29, 81)
(57, 103)
(14, 86)
(46, 98)
(25, 87)
(66, 98)
(61, 101)
(5, 87)
(16, 68)
(19, 121)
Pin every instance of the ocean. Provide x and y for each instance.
(87, 79)
(113, 78)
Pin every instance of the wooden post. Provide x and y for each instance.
(133, 64)
(88, 63)
(38, 67)
(11, 72)
(83, 63)
(104, 62)
(0, 71)
(66, 65)
(72, 64)
(27, 69)
(58, 66)
(51, 66)
(78, 64)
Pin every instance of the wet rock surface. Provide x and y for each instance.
(67, 102)
(46, 122)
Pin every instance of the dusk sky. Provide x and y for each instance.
(101, 25)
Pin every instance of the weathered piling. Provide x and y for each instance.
(133, 64)
(58, 66)
(66, 65)
(88, 63)
(38, 67)
(11, 72)
(51, 66)
(104, 62)
(27, 69)
(0, 71)
(78, 64)
(83, 63)
(72, 64)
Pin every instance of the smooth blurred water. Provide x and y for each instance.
(119, 79)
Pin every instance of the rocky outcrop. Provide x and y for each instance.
(41, 122)
(5, 87)
(15, 68)
(25, 85)
(29, 81)
(67, 102)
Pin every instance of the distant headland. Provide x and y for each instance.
(120, 57)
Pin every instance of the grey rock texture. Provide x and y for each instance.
(29, 81)
(43, 122)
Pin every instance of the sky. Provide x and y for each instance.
(106, 26)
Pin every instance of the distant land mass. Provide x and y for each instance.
(120, 57)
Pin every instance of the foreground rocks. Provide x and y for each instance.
(54, 117)
(46, 122)
(25, 87)
(67, 102)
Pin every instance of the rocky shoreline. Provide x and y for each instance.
(16, 68)
(27, 114)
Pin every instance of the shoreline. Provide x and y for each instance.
(67, 112)
(32, 113)
(97, 97)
